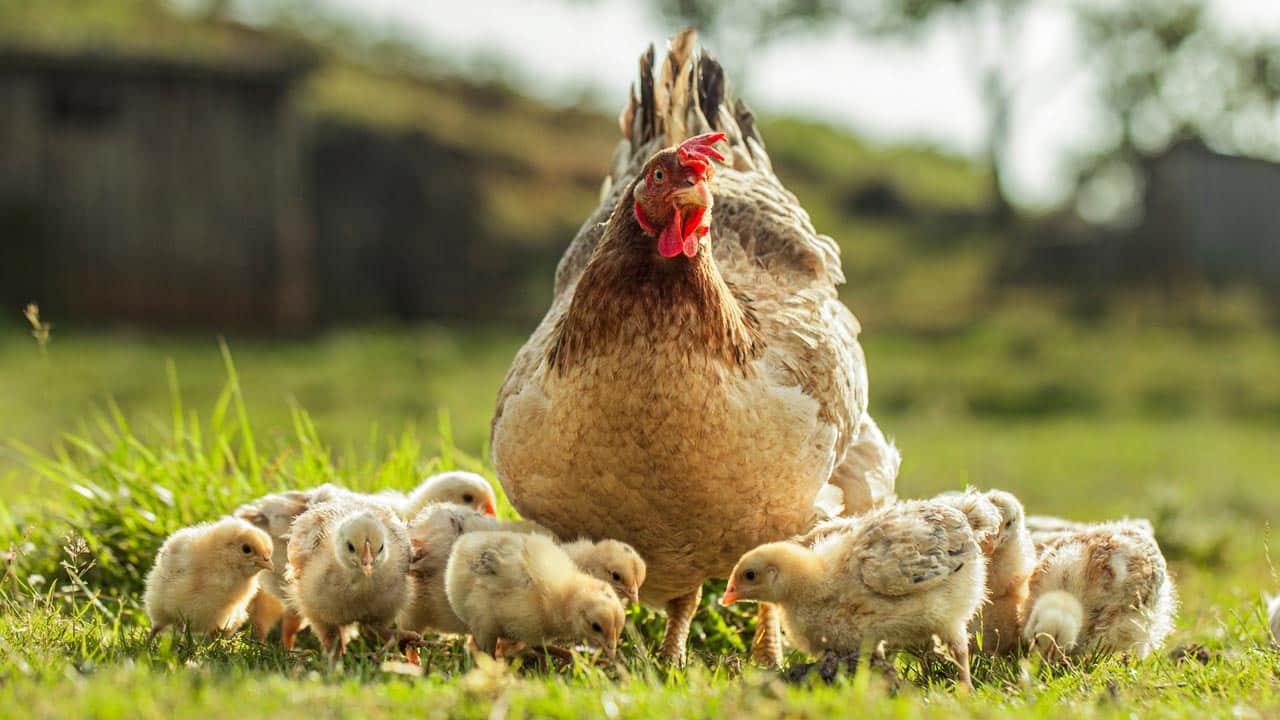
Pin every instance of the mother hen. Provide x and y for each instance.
(695, 384)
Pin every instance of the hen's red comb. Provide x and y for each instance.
(697, 152)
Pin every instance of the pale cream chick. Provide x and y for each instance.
(458, 487)
(612, 561)
(274, 514)
(431, 535)
(349, 565)
(522, 588)
(205, 576)
(899, 576)
(1045, 528)
(1101, 590)
(1273, 613)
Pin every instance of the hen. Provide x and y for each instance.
(695, 384)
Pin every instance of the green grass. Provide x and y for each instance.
(186, 439)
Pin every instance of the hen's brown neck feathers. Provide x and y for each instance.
(628, 291)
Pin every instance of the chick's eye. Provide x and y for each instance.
(246, 549)
(750, 575)
(469, 498)
(380, 547)
(350, 547)
(596, 627)
(617, 576)
(1008, 524)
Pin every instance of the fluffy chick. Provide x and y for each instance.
(1273, 612)
(205, 576)
(348, 564)
(898, 577)
(457, 487)
(523, 588)
(1010, 558)
(1106, 589)
(612, 561)
(431, 535)
(274, 514)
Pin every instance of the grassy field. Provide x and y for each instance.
(1092, 422)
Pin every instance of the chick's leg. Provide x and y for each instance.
(766, 647)
(959, 647)
(679, 618)
(290, 624)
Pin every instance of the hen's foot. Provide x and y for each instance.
(679, 618)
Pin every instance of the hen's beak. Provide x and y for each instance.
(697, 195)
(730, 596)
(366, 558)
(265, 564)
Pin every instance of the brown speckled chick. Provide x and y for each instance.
(1105, 589)
(458, 487)
(523, 588)
(348, 564)
(205, 576)
(431, 535)
(274, 514)
(899, 576)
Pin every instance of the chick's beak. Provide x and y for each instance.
(633, 594)
(366, 558)
(490, 508)
(264, 563)
(730, 596)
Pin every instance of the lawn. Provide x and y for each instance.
(113, 440)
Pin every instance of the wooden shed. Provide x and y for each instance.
(161, 190)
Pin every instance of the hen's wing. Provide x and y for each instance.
(912, 548)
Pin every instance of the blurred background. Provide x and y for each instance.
(1060, 219)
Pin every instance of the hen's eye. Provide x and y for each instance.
(468, 498)
(659, 175)
(246, 549)
(596, 627)
(350, 547)
(750, 575)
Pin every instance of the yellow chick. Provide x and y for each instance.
(349, 564)
(612, 561)
(893, 579)
(274, 514)
(1105, 589)
(205, 576)
(431, 535)
(457, 487)
(522, 588)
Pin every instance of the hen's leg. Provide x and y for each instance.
(766, 647)
(679, 617)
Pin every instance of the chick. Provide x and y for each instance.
(205, 576)
(1273, 612)
(612, 561)
(458, 487)
(893, 579)
(1010, 558)
(274, 514)
(348, 564)
(1106, 589)
(431, 535)
(523, 588)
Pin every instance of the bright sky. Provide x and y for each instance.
(920, 91)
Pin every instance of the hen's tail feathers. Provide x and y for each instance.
(1054, 623)
(688, 96)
